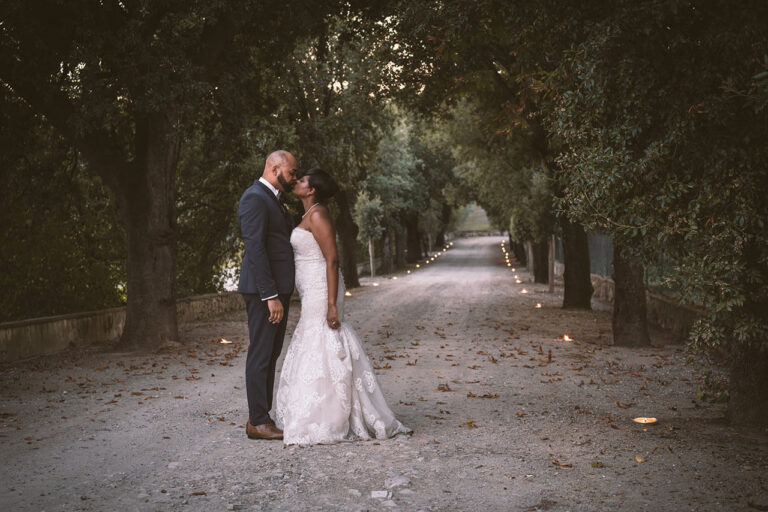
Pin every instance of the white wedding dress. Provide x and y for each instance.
(328, 391)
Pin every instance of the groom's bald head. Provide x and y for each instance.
(277, 158)
(280, 170)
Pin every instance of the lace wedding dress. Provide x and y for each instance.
(328, 391)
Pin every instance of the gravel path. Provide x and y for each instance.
(507, 415)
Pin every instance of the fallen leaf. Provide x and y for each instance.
(486, 395)
(625, 406)
(639, 459)
(561, 464)
(198, 493)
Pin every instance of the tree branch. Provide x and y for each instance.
(48, 100)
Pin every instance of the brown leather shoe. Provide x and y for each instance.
(265, 431)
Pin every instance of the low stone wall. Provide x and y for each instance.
(603, 288)
(662, 311)
(669, 314)
(203, 307)
(364, 267)
(48, 335)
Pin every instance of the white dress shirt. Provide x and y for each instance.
(277, 195)
(270, 187)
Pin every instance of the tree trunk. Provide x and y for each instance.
(518, 251)
(445, 218)
(399, 247)
(529, 256)
(748, 384)
(577, 280)
(371, 254)
(521, 255)
(630, 326)
(429, 243)
(413, 254)
(386, 252)
(147, 202)
(540, 261)
(347, 230)
(551, 264)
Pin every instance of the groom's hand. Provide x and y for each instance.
(275, 310)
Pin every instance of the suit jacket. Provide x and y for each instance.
(268, 268)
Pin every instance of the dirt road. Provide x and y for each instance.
(507, 415)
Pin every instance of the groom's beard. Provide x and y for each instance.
(287, 185)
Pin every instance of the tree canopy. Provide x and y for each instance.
(140, 124)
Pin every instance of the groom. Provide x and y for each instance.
(266, 284)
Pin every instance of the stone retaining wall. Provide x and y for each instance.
(669, 314)
(603, 288)
(662, 311)
(48, 335)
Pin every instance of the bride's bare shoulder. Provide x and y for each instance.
(320, 215)
(321, 222)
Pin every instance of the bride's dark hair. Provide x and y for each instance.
(325, 186)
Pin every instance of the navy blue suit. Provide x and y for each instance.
(268, 269)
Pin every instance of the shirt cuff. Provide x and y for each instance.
(272, 297)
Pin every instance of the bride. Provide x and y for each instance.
(328, 391)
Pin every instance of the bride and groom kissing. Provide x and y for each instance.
(328, 391)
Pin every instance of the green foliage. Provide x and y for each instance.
(60, 245)
(394, 173)
(369, 215)
(124, 83)
(216, 165)
(662, 118)
(498, 171)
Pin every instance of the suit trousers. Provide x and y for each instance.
(266, 343)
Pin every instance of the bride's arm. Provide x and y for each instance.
(325, 234)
